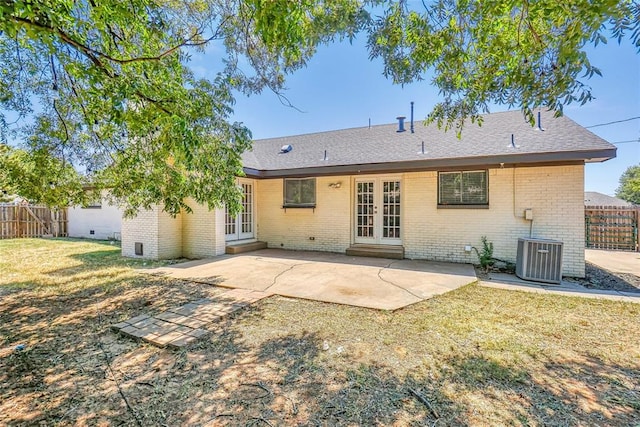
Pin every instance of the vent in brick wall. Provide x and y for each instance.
(138, 248)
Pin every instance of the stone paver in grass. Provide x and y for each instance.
(181, 326)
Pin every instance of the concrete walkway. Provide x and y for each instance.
(513, 283)
(615, 261)
(359, 281)
(178, 327)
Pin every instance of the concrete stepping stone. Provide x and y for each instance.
(181, 326)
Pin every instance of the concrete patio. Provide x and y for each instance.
(364, 282)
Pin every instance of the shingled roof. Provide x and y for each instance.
(382, 149)
(593, 198)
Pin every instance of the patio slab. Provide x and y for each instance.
(359, 281)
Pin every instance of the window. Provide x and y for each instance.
(94, 202)
(300, 193)
(463, 188)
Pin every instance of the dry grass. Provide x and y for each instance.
(480, 356)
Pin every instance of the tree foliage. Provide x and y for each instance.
(104, 87)
(516, 53)
(29, 174)
(107, 89)
(629, 188)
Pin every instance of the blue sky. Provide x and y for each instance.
(341, 88)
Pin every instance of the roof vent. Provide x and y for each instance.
(513, 142)
(285, 149)
(540, 128)
(401, 124)
(411, 116)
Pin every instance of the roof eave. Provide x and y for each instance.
(506, 160)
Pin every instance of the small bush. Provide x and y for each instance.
(485, 256)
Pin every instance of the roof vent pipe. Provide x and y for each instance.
(401, 124)
(411, 116)
(539, 122)
(513, 142)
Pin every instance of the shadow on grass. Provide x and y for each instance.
(74, 370)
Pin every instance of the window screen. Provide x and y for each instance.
(300, 192)
(463, 188)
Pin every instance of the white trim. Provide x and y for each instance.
(378, 216)
(239, 236)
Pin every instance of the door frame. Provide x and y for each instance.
(378, 217)
(239, 235)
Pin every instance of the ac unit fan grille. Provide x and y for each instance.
(539, 260)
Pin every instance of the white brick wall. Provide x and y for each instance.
(199, 232)
(159, 233)
(169, 236)
(555, 194)
(220, 245)
(143, 228)
(329, 223)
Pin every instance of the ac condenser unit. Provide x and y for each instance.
(539, 260)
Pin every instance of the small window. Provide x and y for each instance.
(95, 202)
(463, 188)
(300, 193)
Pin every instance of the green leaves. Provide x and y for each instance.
(36, 175)
(115, 100)
(629, 188)
(518, 53)
(101, 92)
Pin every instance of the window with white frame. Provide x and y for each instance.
(299, 193)
(463, 188)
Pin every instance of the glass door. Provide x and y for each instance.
(241, 226)
(377, 211)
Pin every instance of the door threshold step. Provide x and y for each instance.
(376, 251)
(245, 247)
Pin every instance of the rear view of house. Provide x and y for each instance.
(401, 191)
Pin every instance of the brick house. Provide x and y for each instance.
(417, 191)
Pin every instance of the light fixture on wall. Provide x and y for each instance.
(335, 184)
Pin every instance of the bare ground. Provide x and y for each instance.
(477, 356)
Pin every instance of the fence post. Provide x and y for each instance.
(638, 229)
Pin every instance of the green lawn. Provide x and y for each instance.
(480, 356)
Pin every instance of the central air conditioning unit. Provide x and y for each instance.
(539, 260)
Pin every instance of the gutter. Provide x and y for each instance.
(494, 161)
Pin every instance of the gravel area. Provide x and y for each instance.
(596, 278)
(599, 278)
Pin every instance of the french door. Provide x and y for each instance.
(241, 226)
(377, 211)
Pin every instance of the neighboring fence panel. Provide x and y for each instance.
(612, 227)
(31, 221)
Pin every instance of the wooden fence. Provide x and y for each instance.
(31, 221)
(612, 227)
